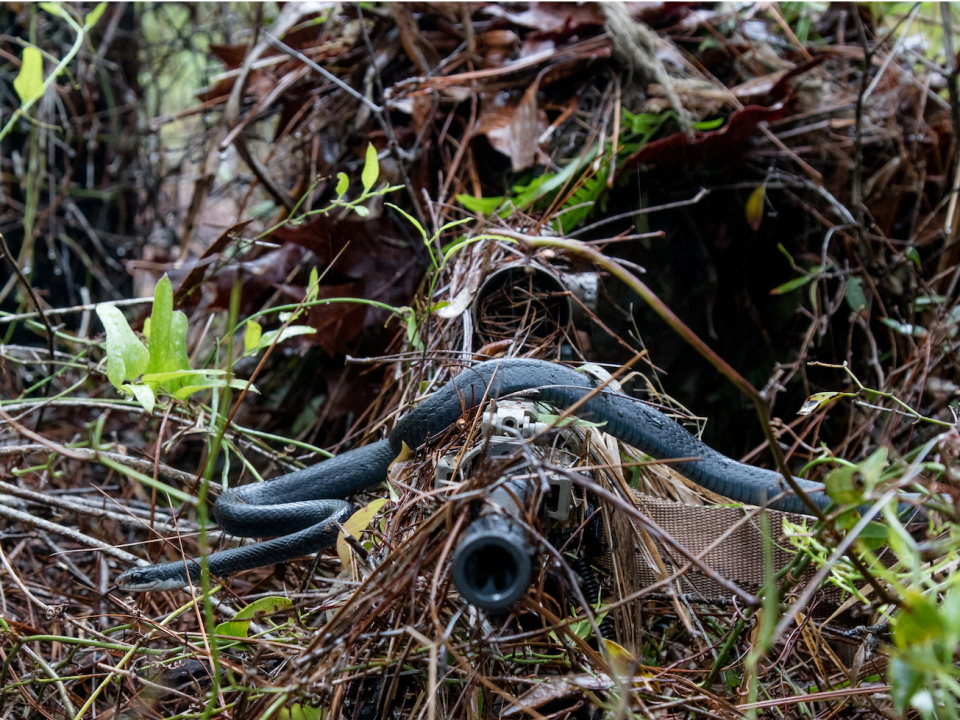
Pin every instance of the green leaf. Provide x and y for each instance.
(453, 224)
(263, 606)
(872, 467)
(53, 8)
(904, 681)
(786, 254)
(233, 628)
(917, 622)
(874, 535)
(251, 336)
(854, 294)
(283, 334)
(185, 392)
(845, 485)
(144, 395)
(343, 184)
(181, 359)
(164, 356)
(928, 300)
(371, 169)
(298, 711)
(643, 123)
(178, 375)
(94, 15)
(29, 81)
(584, 200)
(708, 124)
(755, 205)
(313, 286)
(904, 328)
(791, 285)
(413, 332)
(361, 210)
(950, 610)
(240, 625)
(912, 255)
(127, 358)
(551, 181)
(480, 206)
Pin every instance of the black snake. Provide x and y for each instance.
(305, 506)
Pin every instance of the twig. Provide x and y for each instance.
(384, 119)
(78, 537)
(144, 466)
(893, 51)
(51, 368)
(642, 211)
(4, 319)
(856, 189)
(65, 503)
(52, 674)
(280, 45)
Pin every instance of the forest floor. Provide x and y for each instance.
(240, 239)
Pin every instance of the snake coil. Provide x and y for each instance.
(304, 507)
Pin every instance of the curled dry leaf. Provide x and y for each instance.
(821, 400)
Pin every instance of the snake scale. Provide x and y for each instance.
(304, 507)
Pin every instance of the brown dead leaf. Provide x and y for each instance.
(560, 20)
(260, 277)
(550, 17)
(372, 265)
(715, 148)
(230, 55)
(187, 289)
(513, 126)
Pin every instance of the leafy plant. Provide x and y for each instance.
(585, 175)
(368, 179)
(924, 617)
(822, 399)
(255, 340)
(164, 368)
(30, 83)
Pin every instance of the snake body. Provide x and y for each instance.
(304, 507)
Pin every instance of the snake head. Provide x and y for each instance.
(134, 580)
(147, 579)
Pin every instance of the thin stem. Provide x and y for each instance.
(33, 298)
(361, 301)
(856, 189)
(681, 328)
(861, 388)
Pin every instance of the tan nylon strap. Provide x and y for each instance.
(738, 557)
